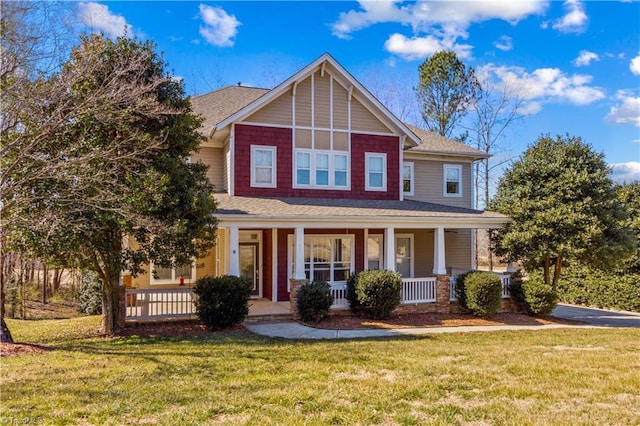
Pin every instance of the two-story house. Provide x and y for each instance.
(316, 179)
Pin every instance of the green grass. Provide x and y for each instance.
(570, 376)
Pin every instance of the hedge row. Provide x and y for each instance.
(583, 286)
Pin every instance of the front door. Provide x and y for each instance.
(249, 266)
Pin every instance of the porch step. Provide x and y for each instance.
(269, 318)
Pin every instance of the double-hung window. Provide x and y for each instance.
(321, 169)
(172, 275)
(452, 185)
(263, 166)
(376, 171)
(407, 178)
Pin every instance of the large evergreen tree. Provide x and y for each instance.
(446, 90)
(563, 206)
(102, 152)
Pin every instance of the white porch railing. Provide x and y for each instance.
(144, 304)
(418, 290)
(339, 293)
(505, 278)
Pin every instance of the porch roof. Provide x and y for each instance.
(338, 212)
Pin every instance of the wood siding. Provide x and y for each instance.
(364, 121)
(214, 158)
(429, 178)
(457, 243)
(278, 111)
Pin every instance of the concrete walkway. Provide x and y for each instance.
(590, 316)
(598, 317)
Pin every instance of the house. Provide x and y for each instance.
(316, 179)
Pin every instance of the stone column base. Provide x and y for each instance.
(294, 285)
(443, 305)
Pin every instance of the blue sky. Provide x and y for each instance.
(574, 65)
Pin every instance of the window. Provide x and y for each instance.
(325, 169)
(452, 181)
(326, 258)
(407, 178)
(172, 275)
(404, 255)
(376, 172)
(374, 252)
(263, 166)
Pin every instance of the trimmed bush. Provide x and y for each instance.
(352, 297)
(90, 293)
(378, 292)
(460, 293)
(482, 293)
(533, 296)
(222, 301)
(314, 301)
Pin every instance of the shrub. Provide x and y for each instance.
(378, 292)
(90, 299)
(533, 296)
(460, 293)
(482, 293)
(222, 301)
(314, 301)
(352, 297)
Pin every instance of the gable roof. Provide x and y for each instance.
(433, 143)
(221, 103)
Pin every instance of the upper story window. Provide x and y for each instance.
(321, 169)
(407, 178)
(376, 171)
(452, 185)
(263, 166)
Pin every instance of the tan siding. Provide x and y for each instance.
(340, 109)
(457, 244)
(423, 261)
(340, 141)
(303, 103)
(303, 138)
(363, 120)
(221, 253)
(214, 158)
(322, 140)
(277, 111)
(207, 265)
(429, 175)
(322, 101)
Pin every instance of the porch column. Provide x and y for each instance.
(234, 251)
(298, 271)
(439, 261)
(389, 249)
(274, 264)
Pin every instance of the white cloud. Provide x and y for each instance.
(98, 17)
(634, 66)
(585, 58)
(421, 47)
(575, 20)
(220, 28)
(504, 43)
(433, 23)
(627, 112)
(545, 85)
(625, 172)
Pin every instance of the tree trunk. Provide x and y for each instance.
(547, 262)
(5, 334)
(45, 283)
(57, 279)
(556, 272)
(111, 305)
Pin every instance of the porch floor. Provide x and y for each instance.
(265, 307)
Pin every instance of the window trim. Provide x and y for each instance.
(367, 157)
(445, 167)
(173, 279)
(313, 153)
(411, 166)
(380, 238)
(274, 174)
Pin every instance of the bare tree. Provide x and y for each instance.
(397, 93)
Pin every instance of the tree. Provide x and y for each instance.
(446, 90)
(100, 152)
(629, 195)
(562, 206)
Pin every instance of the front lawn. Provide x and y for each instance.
(569, 376)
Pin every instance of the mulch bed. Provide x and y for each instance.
(12, 349)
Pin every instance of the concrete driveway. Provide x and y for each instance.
(599, 317)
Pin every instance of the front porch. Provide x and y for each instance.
(429, 293)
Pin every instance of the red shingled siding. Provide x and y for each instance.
(281, 138)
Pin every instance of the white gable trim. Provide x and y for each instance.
(305, 72)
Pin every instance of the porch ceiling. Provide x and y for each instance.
(324, 212)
